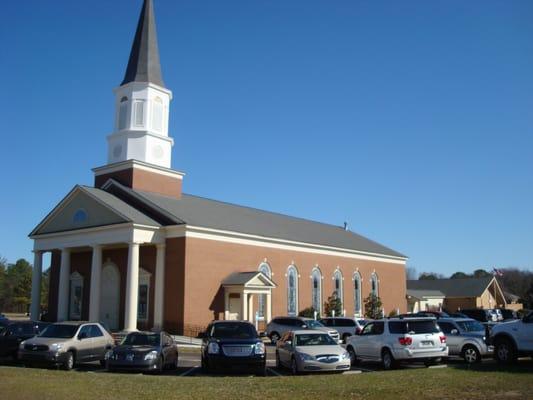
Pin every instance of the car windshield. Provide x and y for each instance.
(311, 323)
(314, 339)
(471, 326)
(234, 331)
(59, 331)
(413, 327)
(141, 339)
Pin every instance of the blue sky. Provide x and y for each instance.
(411, 120)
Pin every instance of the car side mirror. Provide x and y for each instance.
(288, 342)
(82, 336)
(454, 332)
(304, 326)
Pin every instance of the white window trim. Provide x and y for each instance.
(340, 295)
(144, 279)
(357, 277)
(293, 267)
(320, 288)
(375, 277)
(261, 300)
(75, 278)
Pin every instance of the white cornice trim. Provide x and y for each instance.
(136, 164)
(254, 240)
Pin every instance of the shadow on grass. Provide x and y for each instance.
(524, 366)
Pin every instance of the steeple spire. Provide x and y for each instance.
(144, 65)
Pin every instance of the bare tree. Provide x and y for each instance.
(411, 274)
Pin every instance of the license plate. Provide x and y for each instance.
(129, 357)
(427, 343)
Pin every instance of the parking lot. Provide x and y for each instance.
(189, 366)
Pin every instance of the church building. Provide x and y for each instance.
(135, 252)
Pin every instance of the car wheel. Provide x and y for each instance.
(504, 351)
(387, 361)
(353, 356)
(471, 354)
(345, 338)
(294, 367)
(274, 337)
(68, 364)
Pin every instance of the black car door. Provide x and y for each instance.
(168, 349)
(14, 334)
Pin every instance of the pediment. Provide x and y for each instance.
(78, 210)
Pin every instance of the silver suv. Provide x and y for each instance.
(393, 340)
(279, 325)
(465, 337)
(345, 326)
(67, 343)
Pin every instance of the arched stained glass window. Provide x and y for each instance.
(316, 289)
(292, 291)
(357, 293)
(265, 269)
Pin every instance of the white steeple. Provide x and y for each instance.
(142, 102)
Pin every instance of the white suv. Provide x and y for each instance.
(394, 340)
(512, 339)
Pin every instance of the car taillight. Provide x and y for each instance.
(442, 339)
(405, 341)
(357, 331)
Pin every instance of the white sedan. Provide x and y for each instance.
(310, 350)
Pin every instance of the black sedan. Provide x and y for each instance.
(15, 332)
(233, 345)
(144, 351)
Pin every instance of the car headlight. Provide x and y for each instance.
(306, 357)
(345, 356)
(56, 347)
(109, 355)
(259, 348)
(213, 348)
(21, 345)
(151, 356)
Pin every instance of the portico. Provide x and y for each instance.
(95, 240)
(239, 289)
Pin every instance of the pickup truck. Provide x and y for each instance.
(513, 339)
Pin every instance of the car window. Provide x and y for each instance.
(397, 327)
(141, 339)
(345, 322)
(234, 330)
(297, 322)
(59, 331)
(314, 339)
(378, 328)
(528, 318)
(327, 322)
(471, 326)
(86, 330)
(368, 329)
(95, 331)
(446, 327)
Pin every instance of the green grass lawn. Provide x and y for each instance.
(456, 382)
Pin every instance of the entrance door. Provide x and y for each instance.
(234, 306)
(110, 296)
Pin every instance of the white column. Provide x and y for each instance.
(244, 304)
(226, 304)
(268, 315)
(251, 308)
(159, 293)
(96, 283)
(64, 283)
(132, 288)
(37, 273)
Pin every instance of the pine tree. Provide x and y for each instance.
(373, 307)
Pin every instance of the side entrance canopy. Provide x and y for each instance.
(239, 289)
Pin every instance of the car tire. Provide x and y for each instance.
(294, 367)
(387, 360)
(68, 364)
(353, 356)
(504, 351)
(278, 361)
(103, 363)
(160, 365)
(471, 354)
(174, 365)
(274, 337)
(205, 365)
(345, 338)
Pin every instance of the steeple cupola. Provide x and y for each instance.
(142, 102)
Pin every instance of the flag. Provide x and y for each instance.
(497, 272)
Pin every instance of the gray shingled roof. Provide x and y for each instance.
(241, 278)
(420, 294)
(144, 64)
(120, 207)
(469, 287)
(202, 212)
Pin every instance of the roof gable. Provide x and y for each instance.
(255, 279)
(85, 207)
